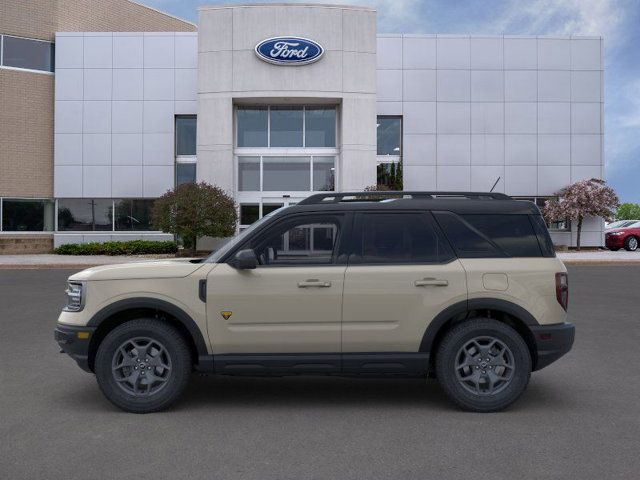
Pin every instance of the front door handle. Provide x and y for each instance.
(431, 282)
(313, 283)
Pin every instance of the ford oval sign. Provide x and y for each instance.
(289, 50)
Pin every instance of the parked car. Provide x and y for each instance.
(626, 237)
(465, 287)
(620, 224)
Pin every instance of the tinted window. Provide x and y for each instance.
(25, 53)
(133, 215)
(286, 127)
(252, 126)
(512, 233)
(286, 173)
(544, 239)
(307, 240)
(186, 127)
(389, 133)
(21, 215)
(85, 214)
(320, 127)
(185, 173)
(399, 238)
(467, 241)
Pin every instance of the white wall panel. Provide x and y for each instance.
(419, 85)
(127, 52)
(520, 86)
(97, 83)
(453, 52)
(487, 117)
(487, 149)
(454, 117)
(454, 149)
(418, 52)
(454, 85)
(487, 53)
(96, 149)
(520, 53)
(98, 52)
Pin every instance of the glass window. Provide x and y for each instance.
(563, 225)
(306, 240)
(25, 215)
(133, 214)
(320, 127)
(286, 127)
(512, 233)
(544, 239)
(248, 174)
(26, 53)
(249, 213)
(324, 174)
(286, 173)
(399, 238)
(85, 214)
(467, 241)
(389, 174)
(185, 173)
(186, 129)
(268, 208)
(389, 132)
(252, 126)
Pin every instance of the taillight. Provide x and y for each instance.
(562, 289)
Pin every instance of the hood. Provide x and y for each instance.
(171, 268)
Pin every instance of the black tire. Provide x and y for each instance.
(450, 378)
(631, 243)
(170, 349)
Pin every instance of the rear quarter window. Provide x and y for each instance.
(491, 235)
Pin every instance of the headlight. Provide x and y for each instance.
(616, 233)
(75, 297)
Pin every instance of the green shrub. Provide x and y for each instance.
(133, 247)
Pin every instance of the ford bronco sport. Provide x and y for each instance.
(465, 287)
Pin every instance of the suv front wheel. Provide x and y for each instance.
(483, 365)
(143, 365)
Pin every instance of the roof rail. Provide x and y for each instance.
(335, 197)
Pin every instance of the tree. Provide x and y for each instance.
(586, 198)
(194, 210)
(628, 211)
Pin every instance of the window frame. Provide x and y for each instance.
(21, 69)
(357, 233)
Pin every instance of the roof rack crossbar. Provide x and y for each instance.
(337, 197)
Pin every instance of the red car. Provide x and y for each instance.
(627, 237)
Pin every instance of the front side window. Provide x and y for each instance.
(28, 54)
(133, 214)
(27, 215)
(397, 238)
(307, 240)
(85, 214)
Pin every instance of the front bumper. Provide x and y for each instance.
(75, 341)
(614, 241)
(552, 342)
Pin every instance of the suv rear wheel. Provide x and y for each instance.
(143, 365)
(483, 365)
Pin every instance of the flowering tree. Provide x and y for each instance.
(586, 198)
(194, 210)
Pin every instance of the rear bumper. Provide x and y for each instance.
(74, 345)
(552, 342)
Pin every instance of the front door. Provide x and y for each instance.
(401, 274)
(292, 302)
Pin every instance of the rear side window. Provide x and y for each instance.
(397, 238)
(467, 240)
(514, 234)
(544, 239)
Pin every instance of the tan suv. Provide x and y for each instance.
(465, 287)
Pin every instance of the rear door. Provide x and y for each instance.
(401, 274)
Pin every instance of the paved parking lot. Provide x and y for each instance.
(580, 418)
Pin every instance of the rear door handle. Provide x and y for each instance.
(431, 282)
(313, 283)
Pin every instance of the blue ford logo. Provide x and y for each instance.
(289, 50)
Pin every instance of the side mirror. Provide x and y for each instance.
(245, 260)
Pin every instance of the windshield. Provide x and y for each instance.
(621, 224)
(233, 242)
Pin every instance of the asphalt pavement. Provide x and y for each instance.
(579, 419)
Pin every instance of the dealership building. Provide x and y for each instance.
(106, 107)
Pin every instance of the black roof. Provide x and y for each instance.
(457, 202)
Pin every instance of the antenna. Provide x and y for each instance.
(494, 185)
